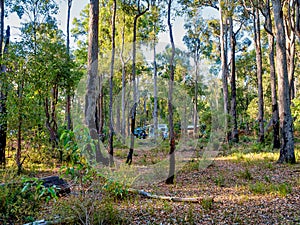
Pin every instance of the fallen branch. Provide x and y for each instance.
(162, 197)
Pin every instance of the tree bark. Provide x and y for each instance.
(111, 85)
(259, 72)
(155, 110)
(20, 121)
(196, 59)
(290, 46)
(234, 130)
(3, 125)
(3, 96)
(123, 62)
(275, 114)
(224, 68)
(92, 80)
(68, 97)
(287, 153)
(133, 81)
(170, 179)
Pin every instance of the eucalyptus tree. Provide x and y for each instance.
(224, 61)
(68, 96)
(233, 113)
(287, 153)
(259, 70)
(113, 46)
(92, 79)
(195, 40)
(290, 21)
(3, 119)
(157, 26)
(266, 12)
(170, 179)
(138, 9)
(124, 58)
(257, 40)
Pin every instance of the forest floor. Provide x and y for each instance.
(243, 187)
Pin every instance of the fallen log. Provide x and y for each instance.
(162, 197)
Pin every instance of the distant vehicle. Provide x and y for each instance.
(140, 133)
(163, 130)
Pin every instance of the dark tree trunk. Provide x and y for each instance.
(155, 110)
(290, 22)
(3, 92)
(196, 59)
(234, 130)
(20, 122)
(133, 81)
(275, 112)
(170, 179)
(51, 121)
(111, 85)
(3, 125)
(92, 80)
(68, 97)
(224, 69)
(259, 75)
(123, 103)
(287, 153)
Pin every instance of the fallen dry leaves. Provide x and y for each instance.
(226, 193)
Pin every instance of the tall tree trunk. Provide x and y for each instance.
(275, 114)
(20, 122)
(111, 85)
(155, 110)
(3, 125)
(68, 97)
(92, 80)
(134, 83)
(259, 75)
(290, 46)
(196, 97)
(100, 108)
(123, 62)
(234, 130)
(287, 153)
(51, 121)
(224, 68)
(170, 179)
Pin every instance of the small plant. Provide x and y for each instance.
(116, 189)
(262, 188)
(87, 210)
(207, 203)
(19, 202)
(190, 215)
(220, 181)
(267, 179)
(258, 188)
(246, 174)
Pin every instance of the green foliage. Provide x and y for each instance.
(21, 201)
(282, 189)
(246, 174)
(207, 203)
(220, 181)
(71, 151)
(116, 189)
(87, 209)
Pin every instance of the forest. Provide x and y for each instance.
(111, 121)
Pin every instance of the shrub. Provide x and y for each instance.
(19, 202)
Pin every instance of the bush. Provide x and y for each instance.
(19, 202)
